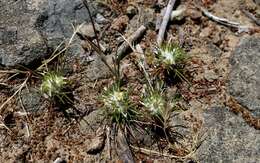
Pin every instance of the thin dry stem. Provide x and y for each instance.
(45, 63)
(26, 115)
(3, 125)
(85, 2)
(16, 92)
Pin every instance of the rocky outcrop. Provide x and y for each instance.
(244, 79)
(20, 42)
(30, 29)
(228, 138)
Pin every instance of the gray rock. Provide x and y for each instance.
(32, 100)
(101, 19)
(214, 50)
(56, 20)
(210, 75)
(123, 150)
(194, 14)
(143, 18)
(92, 121)
(29, 29)
(98, 70)
(20, 42)
(244, 78)
(88, 30)
(229, 139)
(97, 143)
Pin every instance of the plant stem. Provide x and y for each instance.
(166, 19)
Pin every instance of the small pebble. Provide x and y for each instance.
(101, 19)
(87, 30)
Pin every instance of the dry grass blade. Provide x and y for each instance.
(138, 50)
(15, 93)
(26, 115)
(3, 125)
(13, 71)
(3, 84)
(55, 54)
(156, 153)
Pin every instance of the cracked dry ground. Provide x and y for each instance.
(222, 105)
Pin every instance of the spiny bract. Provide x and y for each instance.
(53, 84)
(170, 54)
(154, 102)
(118, 104)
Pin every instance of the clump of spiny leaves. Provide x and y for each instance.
(170, 55)
(154, 100)
(118, 105)
(160, 109)
(170, 62)
(54, 85)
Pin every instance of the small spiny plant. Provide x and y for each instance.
(54, 86)
(170, 62)
(117, 104)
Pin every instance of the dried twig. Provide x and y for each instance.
(122, 50)
(165, 21)
(223, 21)
(108, 142)
(176, 14)
(251, 16)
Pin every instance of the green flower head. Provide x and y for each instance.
(53, 84)
(154, 102)
(118, 104)
(170, 54)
